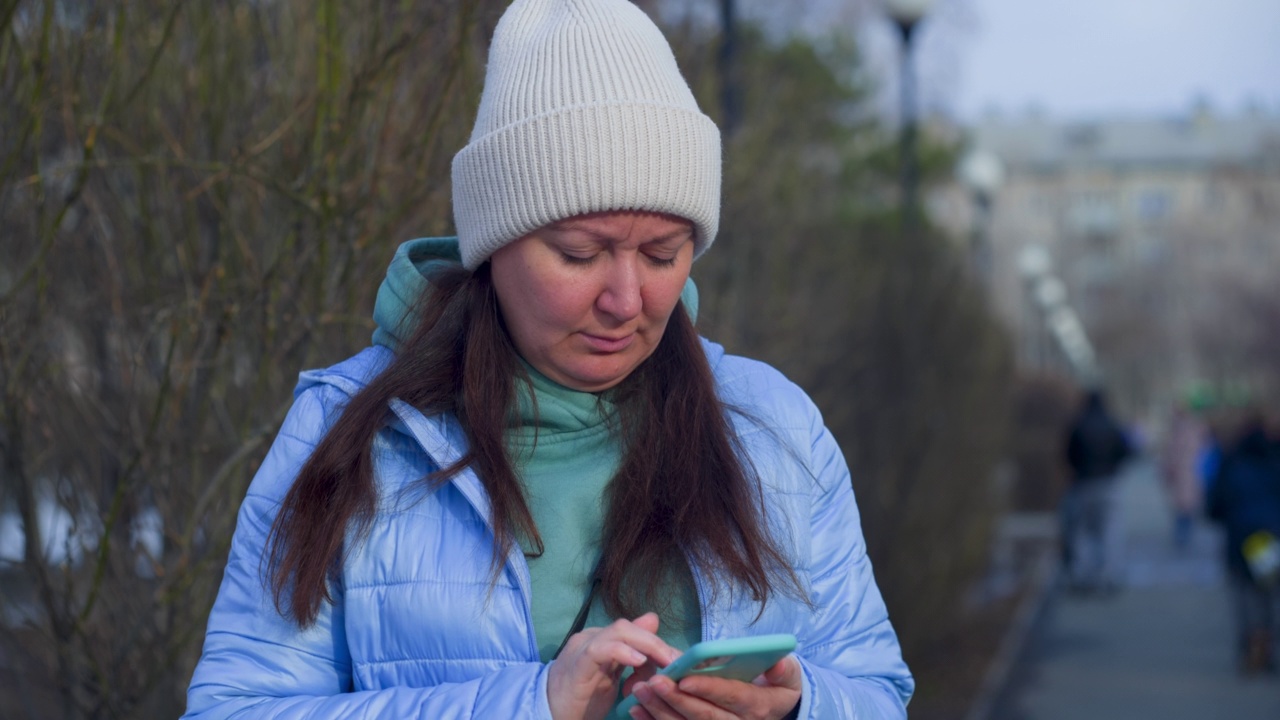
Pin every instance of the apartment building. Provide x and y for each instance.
(1159, 229)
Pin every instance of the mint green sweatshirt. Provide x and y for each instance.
(565, 455)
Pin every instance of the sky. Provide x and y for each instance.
(1072, 59)
(1097, 58)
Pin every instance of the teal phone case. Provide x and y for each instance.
(736, 658)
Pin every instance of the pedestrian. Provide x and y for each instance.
(539, 478)
(1097, 447)
(1245, 499)
(1184, 442)
(1210, 457)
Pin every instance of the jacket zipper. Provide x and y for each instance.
(469, 485)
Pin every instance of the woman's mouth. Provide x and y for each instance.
(603, 344)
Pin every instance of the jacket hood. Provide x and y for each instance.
(407, 278)
(405, 282)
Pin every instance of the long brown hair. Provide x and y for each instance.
(683, 492)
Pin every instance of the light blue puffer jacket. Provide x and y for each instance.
(414, 632)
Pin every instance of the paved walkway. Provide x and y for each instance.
(1160, 649)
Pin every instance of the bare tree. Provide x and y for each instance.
(198, 199)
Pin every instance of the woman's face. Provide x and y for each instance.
(586, 299)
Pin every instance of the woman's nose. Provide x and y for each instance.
(620, 296)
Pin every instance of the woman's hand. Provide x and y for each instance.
(701, 697)
(583, 682)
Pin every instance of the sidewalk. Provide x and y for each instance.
(1161, 649)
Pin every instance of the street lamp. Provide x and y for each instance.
(1050, 293)
(1064, 325)
(1071, 337)
(982, 173)
(1036, 267)
(730, 104)
(907, 14)
(1034, 261)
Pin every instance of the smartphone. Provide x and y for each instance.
(741, 658)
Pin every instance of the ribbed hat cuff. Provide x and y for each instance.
(620, 156)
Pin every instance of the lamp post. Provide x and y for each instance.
(730, 107)
(906, 15)
(982, 173)
(1034, 264)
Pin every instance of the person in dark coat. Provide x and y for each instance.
(1097, 447)
(1245, 499)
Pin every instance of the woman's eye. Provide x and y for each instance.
(662, 261)
(577, 259)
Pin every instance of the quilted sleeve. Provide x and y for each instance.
(852, 663)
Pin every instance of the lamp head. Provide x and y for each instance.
(907, 12)
(982, 172)
(1034, 261)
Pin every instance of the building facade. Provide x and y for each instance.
(1163, 232)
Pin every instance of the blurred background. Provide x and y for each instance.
(942, 219)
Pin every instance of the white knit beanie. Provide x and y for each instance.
(583, 110)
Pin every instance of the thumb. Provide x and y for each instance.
(784, 673)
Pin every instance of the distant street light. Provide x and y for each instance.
(907, 14)
(1071, 337)
(982, 173)
(1034, 261)
(1050, 296)
(1050, 293)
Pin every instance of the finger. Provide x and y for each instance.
(579, 640)
(698, 691)
(641, 674)
(652, 697)
(639, 638)
(613, 655)
(648, 621)
(733, 697)
(728, 699)
(639, 713)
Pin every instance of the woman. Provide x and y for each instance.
(539, 479)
